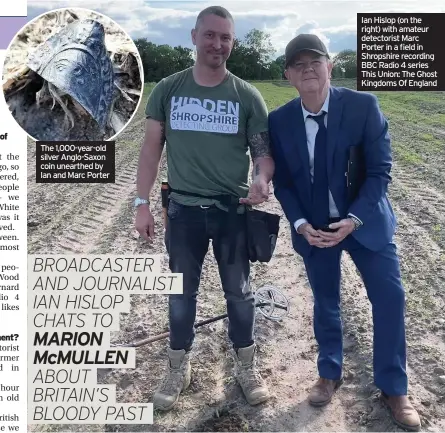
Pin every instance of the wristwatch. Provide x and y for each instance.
(356, 221)
(138, 201)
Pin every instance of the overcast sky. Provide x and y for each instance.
(170, 22)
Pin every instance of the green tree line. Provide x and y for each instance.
(252, 58)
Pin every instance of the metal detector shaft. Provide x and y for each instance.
(167, 333)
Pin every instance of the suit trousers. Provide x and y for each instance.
(380, 272)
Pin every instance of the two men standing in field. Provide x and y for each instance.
(209, 119)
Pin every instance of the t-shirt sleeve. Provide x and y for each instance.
(257, 120)
(155, 104)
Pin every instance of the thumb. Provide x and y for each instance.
(337, 225)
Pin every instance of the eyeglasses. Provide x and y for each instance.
(301, 66)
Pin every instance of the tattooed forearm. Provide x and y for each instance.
(259, 145)
(260, 152)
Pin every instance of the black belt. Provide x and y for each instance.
(232, 203)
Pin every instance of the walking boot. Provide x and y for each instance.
(176, 380)
(248, 376)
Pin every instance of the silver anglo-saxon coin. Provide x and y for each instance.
(76, 62)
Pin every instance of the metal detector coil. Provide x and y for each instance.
(272, 303)
(269, 301)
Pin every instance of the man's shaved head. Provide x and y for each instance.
(213, 10)
(213, 36)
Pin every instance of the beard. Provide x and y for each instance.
(212, 60)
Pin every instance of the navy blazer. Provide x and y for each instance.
(354, 118)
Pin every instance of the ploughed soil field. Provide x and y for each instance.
(99, 219)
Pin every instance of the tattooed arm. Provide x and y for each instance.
(263, 164)
(263, 169)
(150, 156)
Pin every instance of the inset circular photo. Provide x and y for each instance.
(72, 74)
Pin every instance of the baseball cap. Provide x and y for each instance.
(304, 42)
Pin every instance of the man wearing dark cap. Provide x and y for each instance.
(311, 138)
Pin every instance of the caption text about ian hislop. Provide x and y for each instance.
(400, 52)
(74, 304)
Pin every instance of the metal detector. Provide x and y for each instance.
(269, 301)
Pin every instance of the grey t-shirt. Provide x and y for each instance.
(207, 130)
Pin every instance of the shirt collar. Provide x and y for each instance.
(323, 108)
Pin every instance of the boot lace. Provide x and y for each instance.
(250, 377)
(172, 381)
